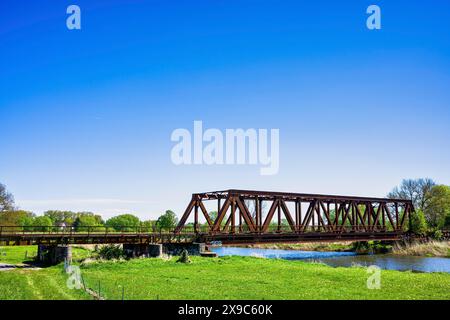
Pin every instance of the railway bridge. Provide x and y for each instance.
(242, 217)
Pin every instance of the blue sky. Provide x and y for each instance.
(86, 115)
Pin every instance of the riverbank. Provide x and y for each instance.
(306, 246)
(423, 249)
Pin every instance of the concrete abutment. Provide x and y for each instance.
(54, 254)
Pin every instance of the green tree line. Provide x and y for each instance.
(10, 215)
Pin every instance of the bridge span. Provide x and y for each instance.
(243, 217)
(247, 216)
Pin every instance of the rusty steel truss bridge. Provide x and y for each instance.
(245, 217)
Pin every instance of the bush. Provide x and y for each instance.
(418, 223)
(110, 252)
(436, 234)
(184, 258)
(371, 247)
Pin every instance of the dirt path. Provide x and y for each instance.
(8, 267)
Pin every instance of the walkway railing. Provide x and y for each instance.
(142, 230)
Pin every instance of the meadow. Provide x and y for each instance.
(221, 278)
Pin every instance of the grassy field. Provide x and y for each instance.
(43, 284)
(25, 254)
(35, 284)
(17, 255)
(255, 278)
(215, 278)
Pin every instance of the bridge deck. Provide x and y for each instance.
(33, 238)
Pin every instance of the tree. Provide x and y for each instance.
(26, 220)
(59, 217)
(124, 222)
(213, 215)
(14, 217)
(439, 206)
(416, 190)
(167, 221)
(418, 223)
(148, 225)
(447, 222)
(86, 222)
(6, 199)
(42, 223)
(98, 218)
(251, 206)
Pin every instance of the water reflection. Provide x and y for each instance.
(345, 259)
(278, 254)
(394, 262)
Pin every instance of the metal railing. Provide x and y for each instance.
(188, 230)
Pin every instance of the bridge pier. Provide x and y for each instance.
(156, 250)
(153, 250)
(175, 249)
(54, 254)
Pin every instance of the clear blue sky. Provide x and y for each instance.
(86, 116)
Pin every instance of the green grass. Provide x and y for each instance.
(254, 278)
(25, 254)
(214, 278)
(43, 284)
(35, 284)
(16, 255)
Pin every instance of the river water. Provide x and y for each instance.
(345, 259)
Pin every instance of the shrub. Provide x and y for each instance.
(371, 247)
(437, 234)
(184, 258)
(418, 223)
(110, 252)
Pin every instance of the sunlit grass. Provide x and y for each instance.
(255, 278)
(42, 284)
(215, 278)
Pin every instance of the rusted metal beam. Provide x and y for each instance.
(351, 214)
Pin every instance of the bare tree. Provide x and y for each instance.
(6, 199)
(251, 205)
(416, 190)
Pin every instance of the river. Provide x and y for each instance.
(345, 259)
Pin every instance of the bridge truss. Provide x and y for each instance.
(262, 216)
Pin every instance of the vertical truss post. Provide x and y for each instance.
(196, 217)
(279, 216)
(258, 214)
(396, 217)
(233, 211)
